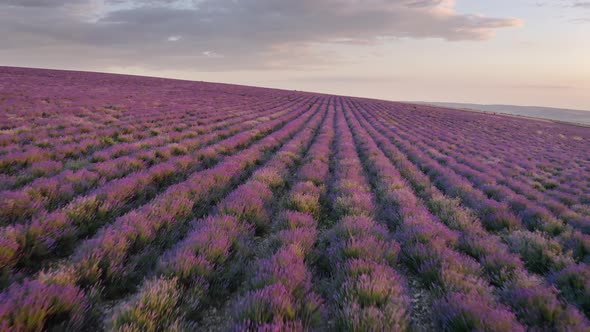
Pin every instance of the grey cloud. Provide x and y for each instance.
(246, 33)
(39, 3)
(423, 3)
(573, 7)
(565, 4)
(581, 4)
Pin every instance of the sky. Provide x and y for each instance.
(520, 52)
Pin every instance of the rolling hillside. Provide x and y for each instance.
(549, 113)
(145, 204)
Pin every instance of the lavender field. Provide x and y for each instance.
(145, 204)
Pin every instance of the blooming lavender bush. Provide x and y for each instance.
(144, 204)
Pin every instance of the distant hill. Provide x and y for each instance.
(559, 114)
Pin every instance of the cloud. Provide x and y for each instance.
(565, 4)
(39, 3)
(575, 9)
(249, 33)
(581, 4)
(544, 87)
(212, 54)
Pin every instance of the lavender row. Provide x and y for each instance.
(568, 245)
(527, 295)
(497, 216)
(90, 123)
(115, 257)
(508, 137)
(559, 197)
(69, 157)
(127, 102)
(366, 292)
(186, 271)
(154, 137)
(541, 256)
(78, 138)
(464, 300)
(541, 159)
(51, 192)
(525, 202)
(337, 213)
(46, 195)
(279, 286)
(118, 120)
(59, 150)
(59, 231)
